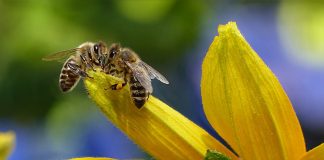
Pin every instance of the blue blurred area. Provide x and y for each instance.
(172, 36)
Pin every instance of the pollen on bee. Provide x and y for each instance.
(119, 86)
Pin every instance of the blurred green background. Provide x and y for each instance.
(172, 36)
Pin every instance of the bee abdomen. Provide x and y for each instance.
(66, 85)
(68, 79)
(139, 101)
(138, 93)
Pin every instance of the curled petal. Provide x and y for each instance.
(157, 128)
(245, 103)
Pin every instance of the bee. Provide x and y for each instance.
(126, 64)
(87, 56)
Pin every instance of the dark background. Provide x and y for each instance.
(172, 36)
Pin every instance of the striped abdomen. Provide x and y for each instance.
(138, 93)
(68, 78)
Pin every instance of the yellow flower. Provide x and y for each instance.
(157, 128)
(242, 99)
(7, 142)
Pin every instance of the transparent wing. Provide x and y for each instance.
(59, 56)
(141, 75)
(154, 74)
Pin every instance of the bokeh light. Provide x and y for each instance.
(301, 31)
(144, 11)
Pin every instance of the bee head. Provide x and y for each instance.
(128, 55)
(99, 49)
(113, 51)
(99, 52)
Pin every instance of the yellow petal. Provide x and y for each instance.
(245, 103)
(157, 128)
(92, 158)
(7, 142)
(316, 153)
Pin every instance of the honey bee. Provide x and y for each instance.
(87, 56)
(116, 61)
(126, 64)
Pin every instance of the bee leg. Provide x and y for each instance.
(77, 70)
(118, 86)
(83, 59)
(148, 96)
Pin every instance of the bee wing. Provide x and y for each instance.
(141, 75)
(154, 74)
(59, 56)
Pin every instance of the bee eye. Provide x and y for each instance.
(96, 49)
(112, 53)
